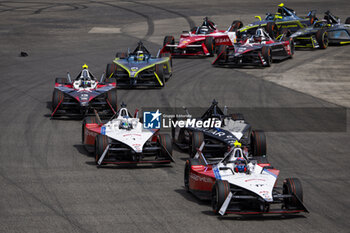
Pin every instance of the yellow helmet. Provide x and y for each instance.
(140, 56)
(237, 144)
(85, 66)
(281, 5)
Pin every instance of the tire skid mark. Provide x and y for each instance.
(48, 205)
(150, 22)
(190, 22)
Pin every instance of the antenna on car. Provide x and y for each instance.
(102, 77)
(68, 77)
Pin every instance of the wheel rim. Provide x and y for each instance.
(325, 39)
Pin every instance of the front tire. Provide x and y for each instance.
(188, 165)
(293, 186)
(87, 120)
(57, 98)
(160, 73)
(347, 21)
(169, 40)
(197, 139)
(272, 29)
(101, 142)
(166, 146)
(266, 53)
(111, 69)
(209, 42)
(322, 38)
(258, 143)
(220, 191)
(112, 99)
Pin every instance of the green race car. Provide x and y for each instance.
(286, 21)
(140, 68)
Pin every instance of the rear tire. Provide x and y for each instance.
(188, 165)
(293, 186)
(57, 98)
(237, 117)
(61, 81)
(220, 191)
(165, 141)
(169, 40)
(258, 143)
(120, 55)
(292, 47)
(160, 74)
(266, 53)
(110, 70)
(347, 21)
(197, 139)
(236, 24)
(272, 29)
(209, 42)
(322, 38)
(112, 99)
(101, 142)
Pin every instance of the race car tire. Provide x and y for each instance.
(293, 186)
(169, 56)
(220, 191)
(169, 40)
(120, 55)
(111, 68)
(61, 80)
(221, 49)
(292, 47)
(322, 38)
(209, 42)
(287, 33)
(160, 73)
(272, 30)
(266, 53)
(87, 120)
(101, 142)
(112, 99)
(237, 117)
(197, 139)
(258, 143)
(236, 24)
(165, 142)
(188, 165)
(312, 19)
(347, 21)
(57, 98)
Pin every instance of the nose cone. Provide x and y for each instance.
(84, 99)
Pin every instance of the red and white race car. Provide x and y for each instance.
(255, 50)
(123, 140)
(200, 41)
(239, 184)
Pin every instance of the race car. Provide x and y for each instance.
(338, 33)
(260, 50)
(200, 41)
(286, 18)
(241, 184)
(123, 140)
(78, 97)
(140, 68)
(223, 130)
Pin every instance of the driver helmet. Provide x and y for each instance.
(240, 165)
(204, 29)
(85, 78)
(140, 56)
(124, 124)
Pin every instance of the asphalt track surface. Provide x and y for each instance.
(49, 183)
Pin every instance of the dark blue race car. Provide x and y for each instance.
(140, 68)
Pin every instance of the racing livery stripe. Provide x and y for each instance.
(271, 172)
